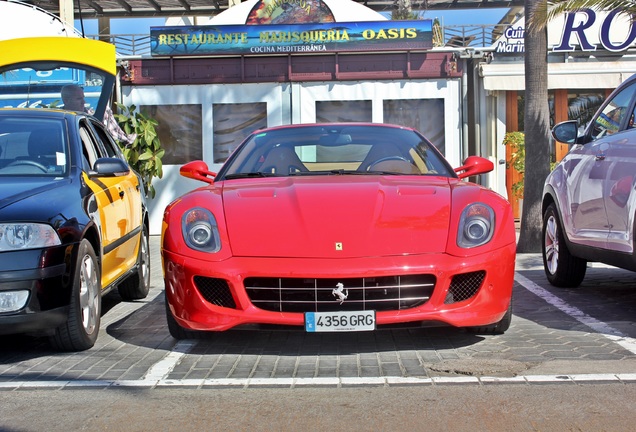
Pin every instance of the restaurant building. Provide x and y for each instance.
(211, 81)
(271, 63)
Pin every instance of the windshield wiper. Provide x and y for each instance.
(330, 172)
(383, 173)
(248, 175)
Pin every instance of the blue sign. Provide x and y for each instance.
(30, 88)
(291, 38)
(28, 76)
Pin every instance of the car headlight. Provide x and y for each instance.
(200, 230)
(476, 225)
(21, 236)
(12, 301)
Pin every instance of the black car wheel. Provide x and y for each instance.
(137, 286)
(561, 267)
(82, 325)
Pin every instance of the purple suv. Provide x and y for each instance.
(588, 200)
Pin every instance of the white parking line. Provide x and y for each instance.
(625, 378)
(160, 370)
(598, 326)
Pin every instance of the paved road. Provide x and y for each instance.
(582, 335)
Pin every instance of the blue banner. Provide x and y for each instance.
(291, 38)
(28, 76)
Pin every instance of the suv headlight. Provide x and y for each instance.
(476, 225)
(200, 230)
(21, 236)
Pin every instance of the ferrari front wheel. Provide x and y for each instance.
(80, 330)
(176, 331)
(497, 328)
(561, 267)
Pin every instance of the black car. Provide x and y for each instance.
(73, 225)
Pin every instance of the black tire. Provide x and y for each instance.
(80, 331)
(561, 267)
(497, 328)
(176, 331)
(137, 285)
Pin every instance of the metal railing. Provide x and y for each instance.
(454, 36)
(127, 45)
(474, 36)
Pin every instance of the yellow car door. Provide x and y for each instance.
(117, 212)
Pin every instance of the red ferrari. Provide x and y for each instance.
(338, 227)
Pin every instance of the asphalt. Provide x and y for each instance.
(555, 335)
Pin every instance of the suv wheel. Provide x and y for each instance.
(561, 267)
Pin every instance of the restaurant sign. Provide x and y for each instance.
(585, 30)
(291, 38)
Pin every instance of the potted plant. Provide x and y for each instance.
(517, 160)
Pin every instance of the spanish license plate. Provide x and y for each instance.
(339, 321)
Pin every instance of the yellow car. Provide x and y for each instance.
(73, 218)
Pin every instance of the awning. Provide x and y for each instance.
(588, 75)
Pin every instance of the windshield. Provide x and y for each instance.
(335, 149)
(39, 86)
(69, 73)
(30, 146)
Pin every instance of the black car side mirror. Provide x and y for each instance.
(109, 167)
(566, 132)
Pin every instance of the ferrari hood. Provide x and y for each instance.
(337, 216)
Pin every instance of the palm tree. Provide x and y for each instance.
(536, 118)
(537, 127)
(403, 11)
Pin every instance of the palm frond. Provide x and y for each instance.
(547, 11)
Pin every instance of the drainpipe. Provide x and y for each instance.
(464, 99)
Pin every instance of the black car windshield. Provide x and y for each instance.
(30, 146)
(335, 150)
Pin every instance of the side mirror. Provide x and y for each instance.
(474, 165)
(109, 167)
(566, 132)
(197, 170)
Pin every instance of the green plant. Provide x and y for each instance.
(145, 153)
(438, 34)
(403, 11)
(517, 161)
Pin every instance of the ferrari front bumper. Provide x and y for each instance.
(227, 304)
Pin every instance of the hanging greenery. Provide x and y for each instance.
(145, 153)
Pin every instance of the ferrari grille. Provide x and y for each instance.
(464, 286)
(324, 295)
(215, 291)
